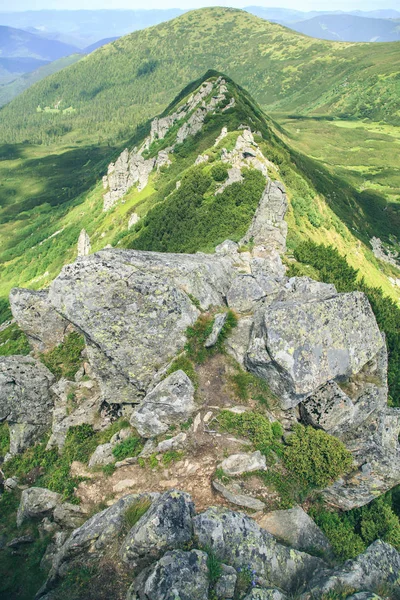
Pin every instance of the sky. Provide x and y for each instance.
(320, 5)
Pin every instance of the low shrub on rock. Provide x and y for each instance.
(316, 457)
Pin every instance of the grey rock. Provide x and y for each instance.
(133, 219)
(10, 483)
(171, 402)
(83, 244)
(173, 443)
(227, 247)
(244, 292)
(237, 342)
(25, 399)
(219, 322)
(103, 455)
(328, 408)
(37, 503)
(129, 169)
(133, 311)
(165, 526)
(364, 596)
(378, 566)
(268, 228)
(385, 254)
(237, 540)
(177, 574)
(265, 594)
(225, 586)
(295, 528)
(91, 539)
(244, 462)
(69, 515)
(233, 495)
(20, 541)
(300, 346)
(38, 319)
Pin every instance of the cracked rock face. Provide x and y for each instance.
(35, 315)
(165, 526)
(26, 400)
(303, 345)
(133, 308)
(171, 402)
(237, 540)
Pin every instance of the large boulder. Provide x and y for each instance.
(134, 307)
(166, 525)
(296, 529)
(36, 316)
(377, 567)
(26, 400)
(90, 541)
(299, 346)
(177, 574)
(37, 503)
(237, 540)
(171, 402)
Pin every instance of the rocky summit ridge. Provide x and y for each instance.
(320, 352)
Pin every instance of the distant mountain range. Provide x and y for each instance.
(350, 28)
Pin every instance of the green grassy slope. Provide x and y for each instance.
(118, 86)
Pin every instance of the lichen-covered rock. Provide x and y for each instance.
(68, 515)
(37, 503)
(296, 529)
(171, 402)
(237, 342)
(134, 308)
(26, 400)
(165, 526)
(237, 540)
(177, 575)
(244, 462)
(265, 594)
(268, 228)
(244, 293)
(378, 566)
(299, 346)
(233, 493)
(83, 243)
(225, 586)
(328, 408)
(91, 539)
(38, 319)
(219, 322)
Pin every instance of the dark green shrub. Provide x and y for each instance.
(219, 171)
(65, 359)
(340, 532)
(316, 457)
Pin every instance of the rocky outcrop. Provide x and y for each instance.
(237, 540)
(177, 574)
(36, 316)
(83, 244)
(26, 400)
(378, 566)
(37, 503)
(171, 402)
(244, 462)
(131, 168)
(133, 308)
(302, 345)
(268, 228)
(379, 250)
(296, 529)
(165, 526)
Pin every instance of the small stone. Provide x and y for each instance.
(244, 462)
(20, 541)
(218, 324)
(238, 499)
(124, 484)
(37, 503)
